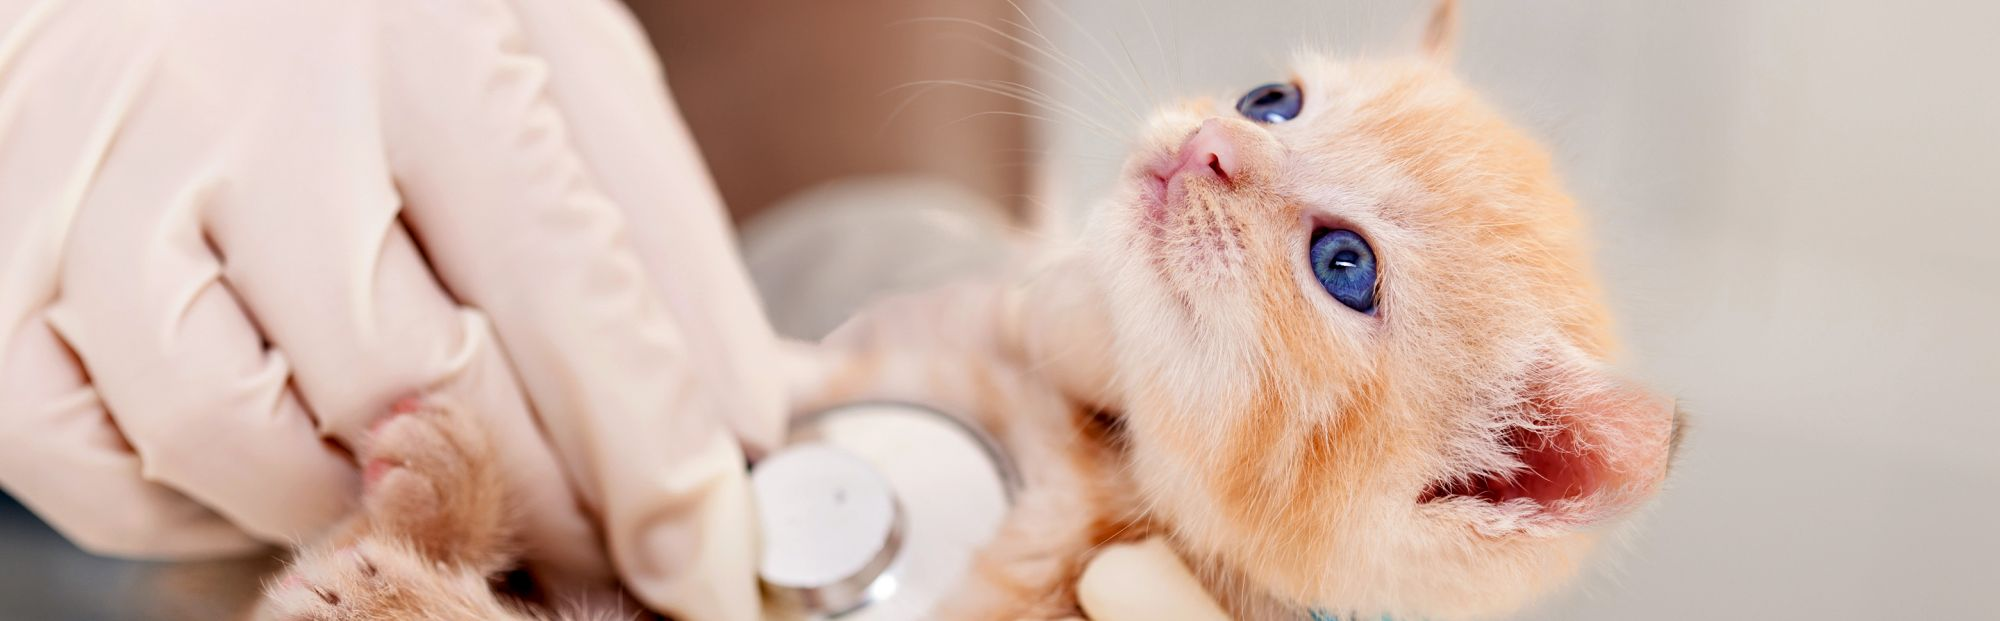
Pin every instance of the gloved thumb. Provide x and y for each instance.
(1143, 581)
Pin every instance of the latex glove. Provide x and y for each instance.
(1143, 581)
(230, 228)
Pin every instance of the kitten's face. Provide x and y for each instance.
(1450, 447)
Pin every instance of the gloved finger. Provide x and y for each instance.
(1143, 581)
(61, 456)
(514, 224)
(622, 123)
(339, 285)
(59, 453)
(181, 368)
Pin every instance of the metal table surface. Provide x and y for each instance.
(45, 578)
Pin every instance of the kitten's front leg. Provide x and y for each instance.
(1057, 323)
(434, 526)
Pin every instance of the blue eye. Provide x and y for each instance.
(1345, 266)
(1271, 103)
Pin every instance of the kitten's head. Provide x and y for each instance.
(1361, 352)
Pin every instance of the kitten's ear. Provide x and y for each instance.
(1441, 32)
(1578, 442)
(1598, 430)
(1589, 446)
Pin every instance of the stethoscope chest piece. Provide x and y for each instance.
(873, 510)
(831, 527)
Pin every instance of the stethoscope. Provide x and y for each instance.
(873, 510)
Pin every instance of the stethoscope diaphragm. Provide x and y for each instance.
(873, 510)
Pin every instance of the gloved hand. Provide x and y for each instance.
(1143, 581)
(231, 228)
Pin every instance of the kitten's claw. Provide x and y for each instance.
(339, 585)
(376, 580)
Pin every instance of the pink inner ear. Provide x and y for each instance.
(1556, 466)
(1590, 446)
(1624, 430)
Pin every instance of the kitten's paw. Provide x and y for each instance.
(328, 585)
(376, 580)
(431, 478)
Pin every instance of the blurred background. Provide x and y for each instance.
(1795, 205)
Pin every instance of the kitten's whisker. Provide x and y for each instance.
(1024, 94)
(1076, 66)
(1024, 115)
(1094, 41)
(1102, 157)
(1016, 90)
(897, 112)
(1102, 90)
(1050, 54)
(1059, 78)
(1134, 64)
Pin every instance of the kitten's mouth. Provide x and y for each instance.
(1154, 193)
(1162, 189)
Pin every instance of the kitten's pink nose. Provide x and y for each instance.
(1208, 151)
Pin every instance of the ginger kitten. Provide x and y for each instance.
(1338, 343)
